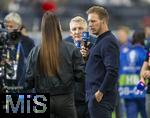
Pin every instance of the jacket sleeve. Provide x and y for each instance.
(30, 71)
(78, 65)
(110, 54)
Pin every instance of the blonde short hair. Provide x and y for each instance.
(125, 29)
(79, 19)
(14, 17)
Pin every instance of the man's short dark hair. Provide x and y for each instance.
(100, 11)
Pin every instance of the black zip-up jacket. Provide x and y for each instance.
(80, 86)
(71, 69)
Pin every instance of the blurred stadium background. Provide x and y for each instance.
(132, 13)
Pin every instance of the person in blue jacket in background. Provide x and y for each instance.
(130, 66)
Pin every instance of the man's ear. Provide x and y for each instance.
(102, 20)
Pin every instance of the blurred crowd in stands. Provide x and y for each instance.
(132, 13)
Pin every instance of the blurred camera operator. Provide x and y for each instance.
(20, 46)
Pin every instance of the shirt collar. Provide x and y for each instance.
(102, 35)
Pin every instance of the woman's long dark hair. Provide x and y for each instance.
(49, 49)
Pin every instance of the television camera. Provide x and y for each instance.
(8, 82)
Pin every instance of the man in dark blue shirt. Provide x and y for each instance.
(102, 66)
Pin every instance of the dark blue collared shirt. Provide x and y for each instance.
(102, 67)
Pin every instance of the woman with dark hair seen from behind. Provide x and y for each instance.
(53, 67)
